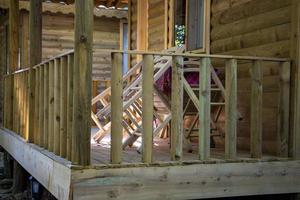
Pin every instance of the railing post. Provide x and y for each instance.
(256, 109)
(83, 60)
(177, 108)
(116, 108)
(230, 108)
(204, 109)
(147, 109)
(284, 110)
(36, 106)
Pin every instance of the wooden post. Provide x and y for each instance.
(83, 60)
(147, 109)
(256, 110)
(35, 38)
(294, 140)
(24, 48)
(46, 105)
(177, 108)
(116, 108)
(142, 24)
(204, 109)
(63, 106)
(13, 43)
(230, 108)
(70, 106)
(284, 110)
(13, 35)
(57, 106)
(51, 107)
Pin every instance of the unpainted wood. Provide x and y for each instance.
(231, 109)
(63, 106)
(83, 60)
(147, 108)
(46, 105)
(256, 110)
(70, 105)
(204, 109)
(51, 107)
(177, 108)
(116, 109)
(57, 99)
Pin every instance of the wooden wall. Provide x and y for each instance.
(3, 64)
(256, 28)
(58, 37)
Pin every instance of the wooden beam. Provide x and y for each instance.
(147, 109)
(83, 60)
(294, 141)
(204, 109)
(256, 110)
(231, 109)
(35, 38)
(193, 181)
(284, 110)
(49, 170)
(177, 108)
(116, 108)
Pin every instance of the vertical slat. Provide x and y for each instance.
(41, 105)
(51, 107)
(83, 60)
(147, 109)
(15, 103)
(27, 107)
(116, 109)
(63, 106)
(204, 109)
(284, 110)
(36, 107)
(177, 108)
(57, 106)
(9, 101)
(46, 105)
(231, 108)
(256, 110)
(22, 108)
(70, 106)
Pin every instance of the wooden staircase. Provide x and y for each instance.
(132, 102)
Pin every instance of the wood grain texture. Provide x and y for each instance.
(231, 109)
(177, 108)
(82, 74)
(256, 109)
(147, 108)
(116, 109)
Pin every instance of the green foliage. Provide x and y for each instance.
(179, 35)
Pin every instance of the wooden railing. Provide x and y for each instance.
(52, 97)
(202, 103)
(53, 111)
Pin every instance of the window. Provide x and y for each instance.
(192, 24)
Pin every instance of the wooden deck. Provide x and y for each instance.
(161, 180)
(100, 152)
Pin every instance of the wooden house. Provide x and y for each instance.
(202, 100)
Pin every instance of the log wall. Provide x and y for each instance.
(58, 37)
(253, 28)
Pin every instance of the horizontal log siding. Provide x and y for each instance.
(253, 28)
(58, 37)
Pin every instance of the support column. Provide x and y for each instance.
(294, 142)
(142, 26)
(83, 60)
(35, 38)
